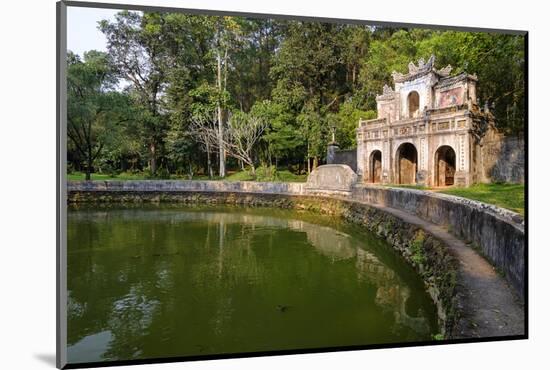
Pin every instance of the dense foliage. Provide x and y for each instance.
(166, 97)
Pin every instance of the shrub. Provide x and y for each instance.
(417, 248)
(266, 173)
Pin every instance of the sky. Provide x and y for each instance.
(82, 32)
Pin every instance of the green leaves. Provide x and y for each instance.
(95, 112)
(280, 135)
(346, 121)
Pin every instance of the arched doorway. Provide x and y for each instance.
(375, 163)
(445, 166)
(413, 102)
(406, 164)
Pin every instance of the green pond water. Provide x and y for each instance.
(169, 280)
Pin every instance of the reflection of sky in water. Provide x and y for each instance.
(159, 283)
(90, 348)
(135, 306)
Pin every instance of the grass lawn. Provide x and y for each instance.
(282, 176)
(510, 196)
(288, 176)
(102, 176)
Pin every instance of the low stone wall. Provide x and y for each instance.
(497, 233)
(295, 188)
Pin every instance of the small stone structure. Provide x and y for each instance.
(429, 130)
(331, 178)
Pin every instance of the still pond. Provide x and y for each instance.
(155, 281)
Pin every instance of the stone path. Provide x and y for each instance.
(487, 304)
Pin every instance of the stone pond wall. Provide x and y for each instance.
(498, 234)
(296, 188)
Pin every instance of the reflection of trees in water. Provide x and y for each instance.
(139, 282)
(130, 318)
(117, 288)
(391, 293)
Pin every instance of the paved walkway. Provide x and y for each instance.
(487, 305)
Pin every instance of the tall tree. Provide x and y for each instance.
(190, 85)
(135, 43)
(252, 59)
(310, 70)
(226, 37)
(94, 109)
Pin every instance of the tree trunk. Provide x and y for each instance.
(89, 165)
(153, 153)
(307, 157)
(190, 173)
(209, 162)
(220, 143)
(220, 122)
